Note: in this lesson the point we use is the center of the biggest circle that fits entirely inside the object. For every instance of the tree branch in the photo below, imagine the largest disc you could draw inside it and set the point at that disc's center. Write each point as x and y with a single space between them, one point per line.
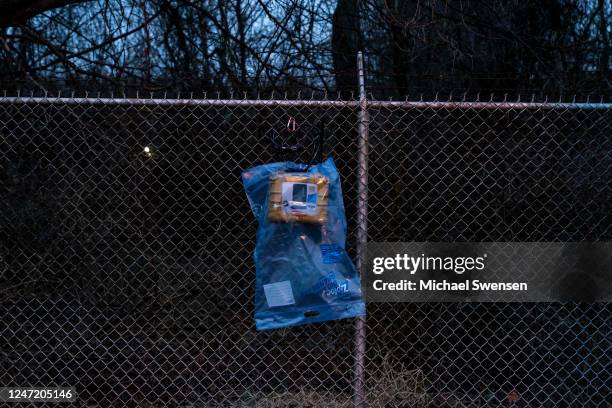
16 12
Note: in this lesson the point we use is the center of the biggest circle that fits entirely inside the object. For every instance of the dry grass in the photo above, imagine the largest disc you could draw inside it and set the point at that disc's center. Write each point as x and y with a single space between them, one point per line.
390 384
387 385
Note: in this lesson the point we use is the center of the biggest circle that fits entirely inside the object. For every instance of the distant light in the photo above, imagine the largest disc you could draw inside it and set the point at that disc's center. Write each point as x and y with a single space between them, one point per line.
150 152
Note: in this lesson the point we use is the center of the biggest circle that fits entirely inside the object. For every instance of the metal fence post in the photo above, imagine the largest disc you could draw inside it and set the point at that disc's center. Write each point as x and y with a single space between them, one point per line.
362 234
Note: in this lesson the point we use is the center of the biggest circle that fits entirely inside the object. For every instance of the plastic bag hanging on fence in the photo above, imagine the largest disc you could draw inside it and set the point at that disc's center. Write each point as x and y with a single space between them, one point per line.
303 273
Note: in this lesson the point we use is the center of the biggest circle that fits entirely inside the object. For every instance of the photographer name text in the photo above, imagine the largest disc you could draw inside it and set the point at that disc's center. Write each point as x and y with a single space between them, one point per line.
444 285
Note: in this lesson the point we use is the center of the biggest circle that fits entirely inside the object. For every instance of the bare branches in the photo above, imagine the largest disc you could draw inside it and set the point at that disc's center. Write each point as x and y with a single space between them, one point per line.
61 55
255 45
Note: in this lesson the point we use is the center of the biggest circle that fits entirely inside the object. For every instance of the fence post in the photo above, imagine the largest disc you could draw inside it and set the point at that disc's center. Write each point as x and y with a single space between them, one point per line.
362 234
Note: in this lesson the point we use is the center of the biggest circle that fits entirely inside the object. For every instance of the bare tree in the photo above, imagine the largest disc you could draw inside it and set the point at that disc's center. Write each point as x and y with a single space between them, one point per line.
346 41
555 46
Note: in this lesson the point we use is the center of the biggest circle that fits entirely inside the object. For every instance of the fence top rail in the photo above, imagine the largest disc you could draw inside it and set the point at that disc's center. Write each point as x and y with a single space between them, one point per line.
306 102
490 105
176 102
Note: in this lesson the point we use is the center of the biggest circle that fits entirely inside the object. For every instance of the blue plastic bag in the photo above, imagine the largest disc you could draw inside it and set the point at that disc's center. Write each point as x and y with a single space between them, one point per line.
303 273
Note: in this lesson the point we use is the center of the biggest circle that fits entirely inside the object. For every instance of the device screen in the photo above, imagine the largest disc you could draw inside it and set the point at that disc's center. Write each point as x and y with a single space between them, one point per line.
299 192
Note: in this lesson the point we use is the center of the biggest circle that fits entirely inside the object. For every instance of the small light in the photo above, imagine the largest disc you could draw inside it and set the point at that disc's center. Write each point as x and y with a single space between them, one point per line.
150 152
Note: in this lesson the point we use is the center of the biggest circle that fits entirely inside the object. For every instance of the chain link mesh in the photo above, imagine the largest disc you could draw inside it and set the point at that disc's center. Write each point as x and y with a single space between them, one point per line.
127 272
480 173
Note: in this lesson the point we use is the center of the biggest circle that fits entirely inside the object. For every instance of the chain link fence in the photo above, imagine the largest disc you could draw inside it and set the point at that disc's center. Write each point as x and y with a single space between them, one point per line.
482 172
127 272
